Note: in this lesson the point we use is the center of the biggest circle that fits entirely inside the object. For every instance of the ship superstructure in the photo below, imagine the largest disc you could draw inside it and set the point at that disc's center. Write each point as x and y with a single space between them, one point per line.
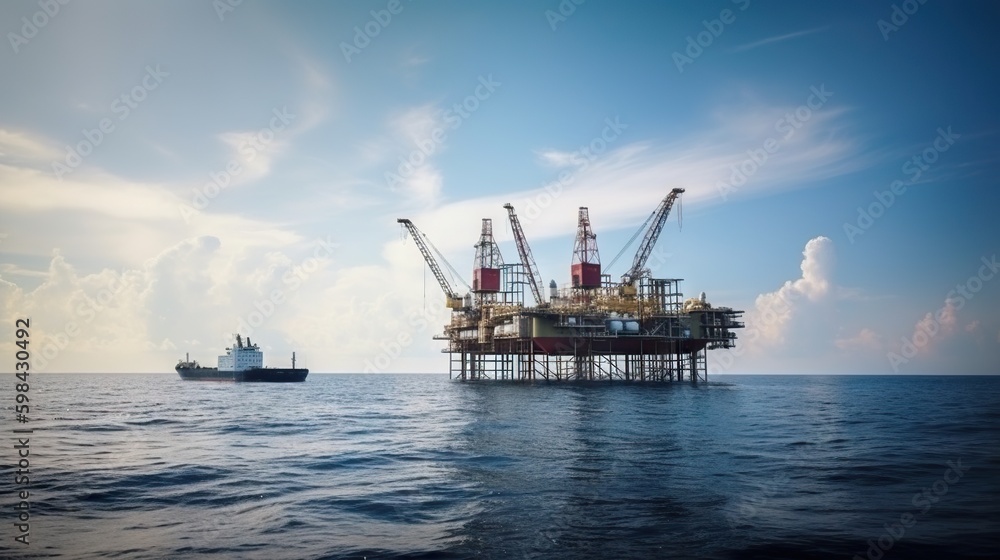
241 362
241 357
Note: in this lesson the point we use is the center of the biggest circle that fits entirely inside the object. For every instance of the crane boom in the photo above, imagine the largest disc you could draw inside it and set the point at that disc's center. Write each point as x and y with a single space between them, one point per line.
454 300
649 240
534 278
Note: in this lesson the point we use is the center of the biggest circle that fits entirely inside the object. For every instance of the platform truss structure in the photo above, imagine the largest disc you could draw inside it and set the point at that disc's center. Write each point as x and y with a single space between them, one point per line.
588 335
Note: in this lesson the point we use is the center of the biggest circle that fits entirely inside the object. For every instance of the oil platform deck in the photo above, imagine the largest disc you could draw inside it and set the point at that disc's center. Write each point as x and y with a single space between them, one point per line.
637 329
649 338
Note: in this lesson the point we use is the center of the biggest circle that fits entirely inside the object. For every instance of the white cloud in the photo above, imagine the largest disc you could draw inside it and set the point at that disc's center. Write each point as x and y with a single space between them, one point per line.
773 311
415 136
778 38
193 294
255 156
416 124
940 340
934 327
21 147
412 59
258 148
800 326
28 190
425 182
865 339
338 317
87 317
106 218
622 185
555 158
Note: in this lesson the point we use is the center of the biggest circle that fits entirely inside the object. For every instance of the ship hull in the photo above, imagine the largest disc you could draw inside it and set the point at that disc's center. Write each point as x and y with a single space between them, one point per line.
254 375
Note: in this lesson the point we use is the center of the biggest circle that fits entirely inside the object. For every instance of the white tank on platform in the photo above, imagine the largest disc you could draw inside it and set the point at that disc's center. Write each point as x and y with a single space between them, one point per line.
632 326
615 326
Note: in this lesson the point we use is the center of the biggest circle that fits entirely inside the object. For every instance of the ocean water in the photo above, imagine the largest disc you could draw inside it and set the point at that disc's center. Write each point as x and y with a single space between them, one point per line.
417 466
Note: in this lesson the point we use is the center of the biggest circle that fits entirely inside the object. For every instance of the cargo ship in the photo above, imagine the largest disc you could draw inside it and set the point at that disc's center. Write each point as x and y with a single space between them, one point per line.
243 363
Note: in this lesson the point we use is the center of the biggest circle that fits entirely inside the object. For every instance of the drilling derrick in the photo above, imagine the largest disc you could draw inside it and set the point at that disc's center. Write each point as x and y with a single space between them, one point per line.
586 268
527 260
486 268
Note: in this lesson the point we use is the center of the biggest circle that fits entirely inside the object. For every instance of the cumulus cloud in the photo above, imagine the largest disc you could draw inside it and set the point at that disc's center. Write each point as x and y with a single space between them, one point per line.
773 311
80 316
194 294
800 326
942 339
123 320
932 328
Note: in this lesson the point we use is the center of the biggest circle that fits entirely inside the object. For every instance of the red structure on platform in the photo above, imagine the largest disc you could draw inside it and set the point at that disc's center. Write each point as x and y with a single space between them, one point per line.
586 268
486 268
486 280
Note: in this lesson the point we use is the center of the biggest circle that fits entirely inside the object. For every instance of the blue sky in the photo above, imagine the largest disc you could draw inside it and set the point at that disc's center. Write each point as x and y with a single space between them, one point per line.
250 163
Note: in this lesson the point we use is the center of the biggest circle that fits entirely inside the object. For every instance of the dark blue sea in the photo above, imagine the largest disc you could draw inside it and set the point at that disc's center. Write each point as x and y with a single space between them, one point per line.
417 466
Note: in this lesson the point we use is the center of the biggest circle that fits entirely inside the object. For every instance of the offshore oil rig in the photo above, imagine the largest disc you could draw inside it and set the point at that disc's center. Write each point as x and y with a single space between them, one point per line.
637 329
